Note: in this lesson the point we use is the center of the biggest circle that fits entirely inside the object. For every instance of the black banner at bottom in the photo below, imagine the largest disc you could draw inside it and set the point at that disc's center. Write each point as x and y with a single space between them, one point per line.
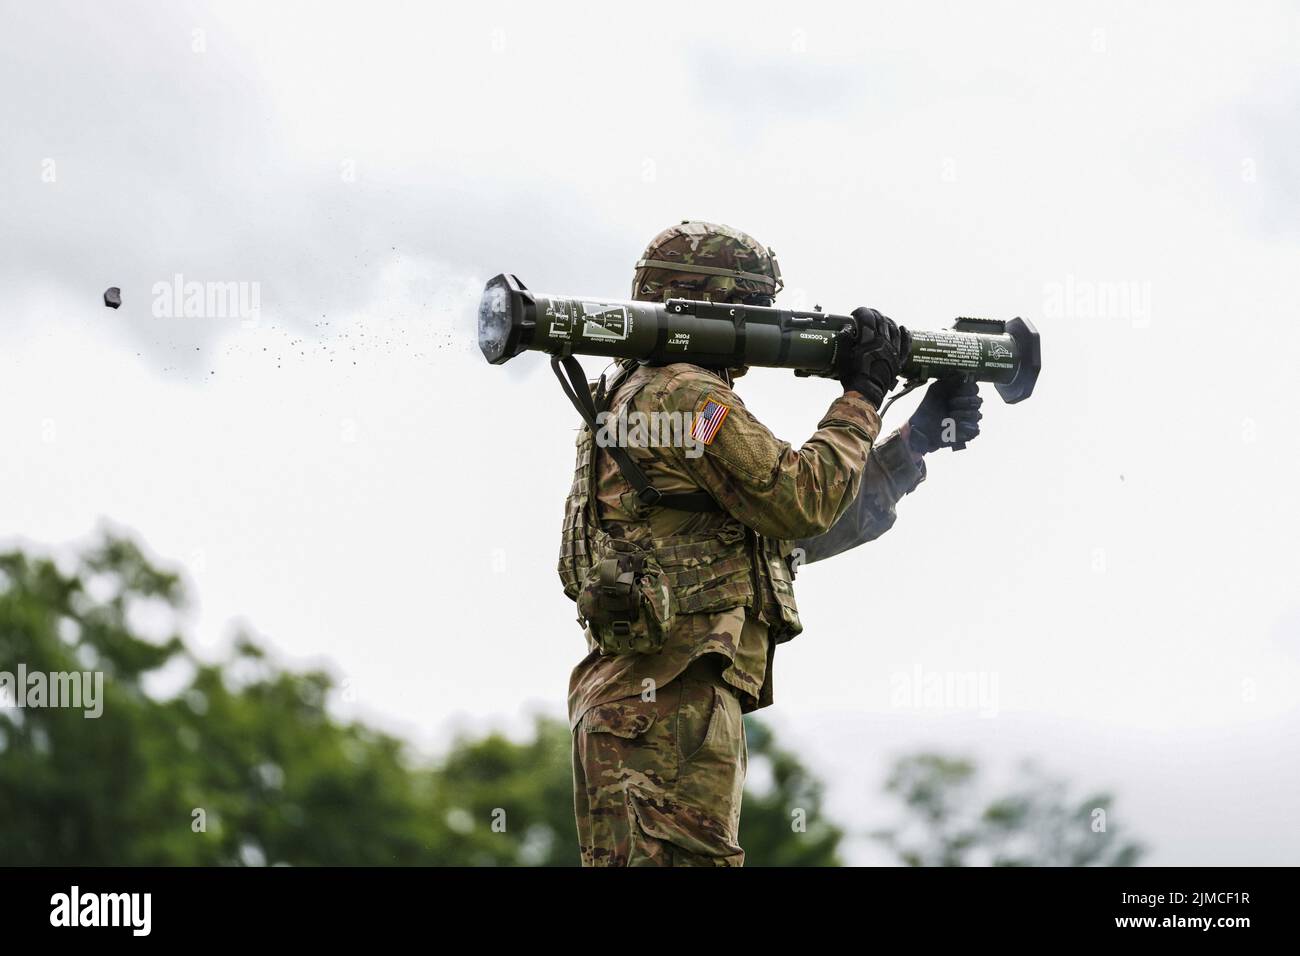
1168 905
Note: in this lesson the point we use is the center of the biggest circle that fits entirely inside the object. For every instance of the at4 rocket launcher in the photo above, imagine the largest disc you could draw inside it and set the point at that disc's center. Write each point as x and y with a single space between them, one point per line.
513 319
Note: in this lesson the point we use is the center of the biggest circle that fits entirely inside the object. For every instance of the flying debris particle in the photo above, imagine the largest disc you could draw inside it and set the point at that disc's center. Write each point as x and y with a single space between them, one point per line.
113 297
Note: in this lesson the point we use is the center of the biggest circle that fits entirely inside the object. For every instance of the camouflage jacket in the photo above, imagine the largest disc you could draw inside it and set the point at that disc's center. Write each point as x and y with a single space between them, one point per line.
780 505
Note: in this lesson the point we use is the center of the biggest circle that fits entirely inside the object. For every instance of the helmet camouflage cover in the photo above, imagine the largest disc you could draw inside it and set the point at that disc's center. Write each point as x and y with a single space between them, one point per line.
705 260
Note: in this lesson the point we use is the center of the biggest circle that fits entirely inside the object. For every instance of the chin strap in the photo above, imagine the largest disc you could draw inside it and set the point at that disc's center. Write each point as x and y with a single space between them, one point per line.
574 383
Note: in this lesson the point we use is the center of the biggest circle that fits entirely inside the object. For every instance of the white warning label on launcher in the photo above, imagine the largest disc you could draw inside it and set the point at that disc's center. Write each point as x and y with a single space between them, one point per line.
607 322
561 319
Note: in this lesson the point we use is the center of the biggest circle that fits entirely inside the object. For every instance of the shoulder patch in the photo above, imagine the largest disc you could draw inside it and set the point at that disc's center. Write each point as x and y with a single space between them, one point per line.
708 420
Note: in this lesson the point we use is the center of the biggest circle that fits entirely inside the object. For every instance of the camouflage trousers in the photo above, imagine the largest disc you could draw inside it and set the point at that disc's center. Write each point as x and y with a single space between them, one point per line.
659 782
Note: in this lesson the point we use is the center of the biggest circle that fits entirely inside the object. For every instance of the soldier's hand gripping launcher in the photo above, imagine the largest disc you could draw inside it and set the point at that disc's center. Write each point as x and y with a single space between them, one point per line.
512 319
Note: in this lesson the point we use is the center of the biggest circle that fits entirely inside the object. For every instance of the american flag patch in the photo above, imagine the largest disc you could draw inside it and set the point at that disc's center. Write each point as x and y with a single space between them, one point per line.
708 420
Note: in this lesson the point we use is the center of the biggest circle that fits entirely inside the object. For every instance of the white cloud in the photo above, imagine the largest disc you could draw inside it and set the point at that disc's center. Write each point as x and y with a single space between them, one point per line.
398 517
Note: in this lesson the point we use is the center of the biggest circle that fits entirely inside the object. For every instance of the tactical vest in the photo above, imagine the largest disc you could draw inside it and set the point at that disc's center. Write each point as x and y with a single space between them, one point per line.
726 567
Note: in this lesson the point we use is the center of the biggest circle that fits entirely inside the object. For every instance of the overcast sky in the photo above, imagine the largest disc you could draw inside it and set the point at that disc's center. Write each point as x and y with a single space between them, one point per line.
342 472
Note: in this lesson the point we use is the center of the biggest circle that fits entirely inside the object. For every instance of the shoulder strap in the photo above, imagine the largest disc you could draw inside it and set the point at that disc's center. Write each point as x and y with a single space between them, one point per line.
574 382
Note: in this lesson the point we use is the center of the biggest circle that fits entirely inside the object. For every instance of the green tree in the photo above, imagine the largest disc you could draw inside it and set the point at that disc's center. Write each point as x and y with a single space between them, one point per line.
244 764
507 803
784 824
1038 823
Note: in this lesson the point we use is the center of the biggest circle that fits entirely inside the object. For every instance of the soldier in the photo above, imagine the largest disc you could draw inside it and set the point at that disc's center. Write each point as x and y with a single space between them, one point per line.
686 590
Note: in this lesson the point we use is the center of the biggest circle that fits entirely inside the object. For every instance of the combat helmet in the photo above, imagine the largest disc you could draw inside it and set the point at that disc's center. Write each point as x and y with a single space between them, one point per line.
708 261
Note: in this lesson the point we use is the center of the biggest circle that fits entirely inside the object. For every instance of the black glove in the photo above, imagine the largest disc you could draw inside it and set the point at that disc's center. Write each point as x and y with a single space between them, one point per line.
870 364
951 411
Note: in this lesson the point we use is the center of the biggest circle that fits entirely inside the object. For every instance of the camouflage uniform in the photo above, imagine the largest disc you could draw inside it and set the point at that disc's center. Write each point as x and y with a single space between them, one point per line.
659 752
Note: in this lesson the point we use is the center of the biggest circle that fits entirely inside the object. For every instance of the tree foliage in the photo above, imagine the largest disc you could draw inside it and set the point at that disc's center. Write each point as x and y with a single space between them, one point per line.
784 824
244 764
1038 823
